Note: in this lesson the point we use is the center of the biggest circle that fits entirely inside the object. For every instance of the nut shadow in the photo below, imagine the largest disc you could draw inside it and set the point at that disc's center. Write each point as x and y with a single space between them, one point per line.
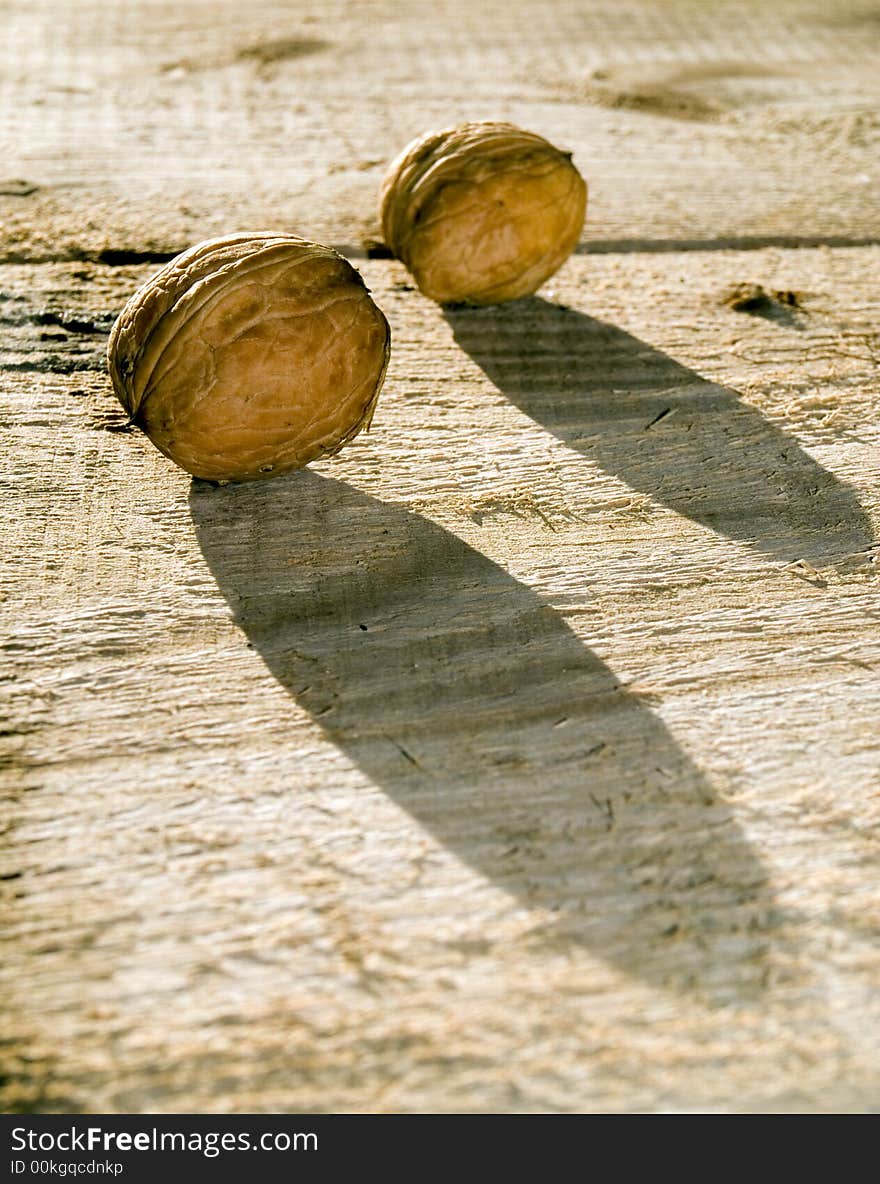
691 444
473 705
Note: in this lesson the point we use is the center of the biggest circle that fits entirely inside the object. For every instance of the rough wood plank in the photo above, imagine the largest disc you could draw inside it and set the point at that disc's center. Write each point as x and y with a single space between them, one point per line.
523 757
146 126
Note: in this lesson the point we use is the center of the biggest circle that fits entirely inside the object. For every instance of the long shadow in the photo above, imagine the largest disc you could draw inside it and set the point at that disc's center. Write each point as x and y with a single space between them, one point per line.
663 429
473 705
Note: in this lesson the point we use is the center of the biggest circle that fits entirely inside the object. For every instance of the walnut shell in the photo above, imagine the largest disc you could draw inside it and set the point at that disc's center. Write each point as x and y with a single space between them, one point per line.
483 212
250 355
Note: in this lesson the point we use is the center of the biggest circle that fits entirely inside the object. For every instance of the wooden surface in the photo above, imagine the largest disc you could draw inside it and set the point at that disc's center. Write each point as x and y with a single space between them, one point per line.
524 756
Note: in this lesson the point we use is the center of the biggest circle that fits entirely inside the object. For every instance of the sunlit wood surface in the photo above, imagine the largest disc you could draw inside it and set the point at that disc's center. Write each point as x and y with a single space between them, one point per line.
523 757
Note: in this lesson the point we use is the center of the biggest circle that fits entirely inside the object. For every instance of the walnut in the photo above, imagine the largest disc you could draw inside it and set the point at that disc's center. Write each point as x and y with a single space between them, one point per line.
483 212
250 355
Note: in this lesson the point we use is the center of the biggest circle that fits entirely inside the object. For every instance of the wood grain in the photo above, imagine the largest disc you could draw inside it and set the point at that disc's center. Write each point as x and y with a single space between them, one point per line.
147 126
522 757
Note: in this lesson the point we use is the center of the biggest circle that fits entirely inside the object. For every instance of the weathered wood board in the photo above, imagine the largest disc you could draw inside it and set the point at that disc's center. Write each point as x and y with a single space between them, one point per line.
524 756
148 125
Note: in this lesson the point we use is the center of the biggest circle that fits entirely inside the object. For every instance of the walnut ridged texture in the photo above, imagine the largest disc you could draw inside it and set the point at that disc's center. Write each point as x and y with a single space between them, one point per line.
250 355
483 212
